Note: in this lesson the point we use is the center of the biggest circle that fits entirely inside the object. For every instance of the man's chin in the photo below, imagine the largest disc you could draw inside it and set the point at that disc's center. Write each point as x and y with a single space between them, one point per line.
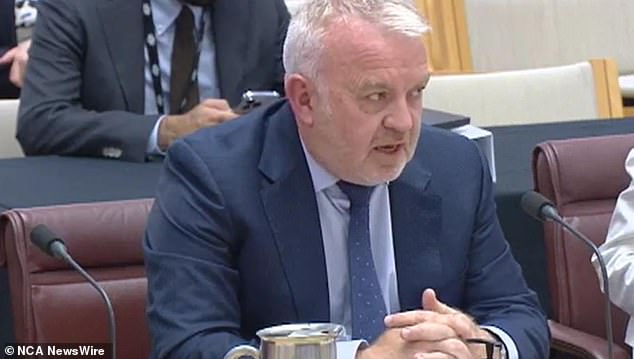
394 175
382 175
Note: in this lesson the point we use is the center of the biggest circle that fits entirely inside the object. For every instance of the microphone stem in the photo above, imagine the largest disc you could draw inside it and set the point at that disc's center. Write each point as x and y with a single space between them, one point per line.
113 339
606 286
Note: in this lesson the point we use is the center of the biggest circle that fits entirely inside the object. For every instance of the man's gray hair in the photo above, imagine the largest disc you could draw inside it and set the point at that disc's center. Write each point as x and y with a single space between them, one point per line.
304 40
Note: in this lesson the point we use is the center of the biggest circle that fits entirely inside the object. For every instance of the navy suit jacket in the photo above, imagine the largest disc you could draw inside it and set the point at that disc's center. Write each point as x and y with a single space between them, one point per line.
233 243
84 92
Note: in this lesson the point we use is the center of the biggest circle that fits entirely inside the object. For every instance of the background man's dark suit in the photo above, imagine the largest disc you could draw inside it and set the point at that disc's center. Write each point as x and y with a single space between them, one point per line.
7 42
233 243
84 90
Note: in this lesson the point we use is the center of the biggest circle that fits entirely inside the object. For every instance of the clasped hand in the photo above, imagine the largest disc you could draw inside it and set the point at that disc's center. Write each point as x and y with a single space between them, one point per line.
436 331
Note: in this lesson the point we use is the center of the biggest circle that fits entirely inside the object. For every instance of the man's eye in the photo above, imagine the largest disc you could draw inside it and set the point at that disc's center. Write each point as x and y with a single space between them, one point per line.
418 91
377 96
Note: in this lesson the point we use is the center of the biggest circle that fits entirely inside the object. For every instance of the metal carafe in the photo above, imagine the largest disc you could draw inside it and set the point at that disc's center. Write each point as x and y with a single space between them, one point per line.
293 341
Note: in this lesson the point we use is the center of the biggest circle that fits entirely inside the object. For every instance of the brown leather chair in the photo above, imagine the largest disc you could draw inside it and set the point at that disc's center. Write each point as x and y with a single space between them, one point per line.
51 303
583 177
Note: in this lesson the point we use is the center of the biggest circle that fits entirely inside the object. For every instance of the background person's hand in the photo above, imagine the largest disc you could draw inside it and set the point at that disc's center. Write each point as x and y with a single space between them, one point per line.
18 58
436 317
209 112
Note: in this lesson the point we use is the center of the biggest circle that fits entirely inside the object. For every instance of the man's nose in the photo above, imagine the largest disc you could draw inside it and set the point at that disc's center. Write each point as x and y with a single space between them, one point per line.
400 118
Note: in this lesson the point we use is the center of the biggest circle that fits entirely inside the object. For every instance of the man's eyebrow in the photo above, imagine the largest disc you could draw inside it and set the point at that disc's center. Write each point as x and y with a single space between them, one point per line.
371 84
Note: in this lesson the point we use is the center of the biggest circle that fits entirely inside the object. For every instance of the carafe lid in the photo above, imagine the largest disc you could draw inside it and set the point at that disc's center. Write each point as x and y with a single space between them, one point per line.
302 333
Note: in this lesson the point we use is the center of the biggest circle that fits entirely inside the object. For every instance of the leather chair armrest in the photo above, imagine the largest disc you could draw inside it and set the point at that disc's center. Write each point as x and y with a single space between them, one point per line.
581 344
3 254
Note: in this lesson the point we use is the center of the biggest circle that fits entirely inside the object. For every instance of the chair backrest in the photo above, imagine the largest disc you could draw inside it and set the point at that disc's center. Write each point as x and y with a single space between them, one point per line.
498 35
583 177
586 90
51 303
9 146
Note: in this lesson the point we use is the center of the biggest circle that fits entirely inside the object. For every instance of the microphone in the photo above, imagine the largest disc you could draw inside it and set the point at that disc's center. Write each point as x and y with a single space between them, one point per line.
541 208
54 246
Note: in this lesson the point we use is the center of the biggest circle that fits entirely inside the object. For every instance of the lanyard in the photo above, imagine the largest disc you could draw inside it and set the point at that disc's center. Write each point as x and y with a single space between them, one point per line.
155 69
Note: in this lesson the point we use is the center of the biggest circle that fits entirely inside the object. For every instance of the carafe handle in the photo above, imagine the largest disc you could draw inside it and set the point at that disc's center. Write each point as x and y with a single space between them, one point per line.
242 350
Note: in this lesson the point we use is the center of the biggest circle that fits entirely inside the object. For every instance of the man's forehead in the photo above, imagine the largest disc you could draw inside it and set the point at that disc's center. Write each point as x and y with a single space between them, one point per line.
375 55
352 38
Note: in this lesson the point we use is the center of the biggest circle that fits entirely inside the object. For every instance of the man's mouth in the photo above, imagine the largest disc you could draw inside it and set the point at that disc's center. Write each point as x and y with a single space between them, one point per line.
389 148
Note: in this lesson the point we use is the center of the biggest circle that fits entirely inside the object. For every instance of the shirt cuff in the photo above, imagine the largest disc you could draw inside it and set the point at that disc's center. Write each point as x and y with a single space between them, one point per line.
348 349
509 344
152 144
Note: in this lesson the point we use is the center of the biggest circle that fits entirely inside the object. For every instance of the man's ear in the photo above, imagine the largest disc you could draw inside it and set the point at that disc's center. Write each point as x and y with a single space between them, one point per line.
300 93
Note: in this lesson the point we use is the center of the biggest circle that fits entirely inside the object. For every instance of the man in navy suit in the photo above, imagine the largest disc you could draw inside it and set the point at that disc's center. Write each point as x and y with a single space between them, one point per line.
101 73
336 205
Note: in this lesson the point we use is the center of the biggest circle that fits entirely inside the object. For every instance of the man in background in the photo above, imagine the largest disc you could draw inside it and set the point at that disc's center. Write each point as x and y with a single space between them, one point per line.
125 78
337 206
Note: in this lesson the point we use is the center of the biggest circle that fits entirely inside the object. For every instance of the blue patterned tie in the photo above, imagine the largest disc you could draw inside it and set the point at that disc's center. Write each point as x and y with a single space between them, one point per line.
368 307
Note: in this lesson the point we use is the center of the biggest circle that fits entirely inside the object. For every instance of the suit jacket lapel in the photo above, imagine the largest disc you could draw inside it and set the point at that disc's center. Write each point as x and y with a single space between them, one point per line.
231 31
122 26
416 228
289 201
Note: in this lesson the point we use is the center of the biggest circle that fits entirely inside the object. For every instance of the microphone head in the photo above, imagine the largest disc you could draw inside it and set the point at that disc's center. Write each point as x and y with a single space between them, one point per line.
43 238
534 203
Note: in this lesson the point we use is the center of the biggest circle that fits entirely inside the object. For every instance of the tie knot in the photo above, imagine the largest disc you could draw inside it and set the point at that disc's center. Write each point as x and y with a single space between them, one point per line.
185 17
357 194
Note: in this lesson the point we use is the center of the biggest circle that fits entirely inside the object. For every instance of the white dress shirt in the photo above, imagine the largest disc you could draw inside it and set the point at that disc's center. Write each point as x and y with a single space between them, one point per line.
164 14
618 252
333 207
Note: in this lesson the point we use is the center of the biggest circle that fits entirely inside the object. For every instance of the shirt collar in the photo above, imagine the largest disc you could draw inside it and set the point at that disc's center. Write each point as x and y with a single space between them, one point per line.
165 12
322 179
